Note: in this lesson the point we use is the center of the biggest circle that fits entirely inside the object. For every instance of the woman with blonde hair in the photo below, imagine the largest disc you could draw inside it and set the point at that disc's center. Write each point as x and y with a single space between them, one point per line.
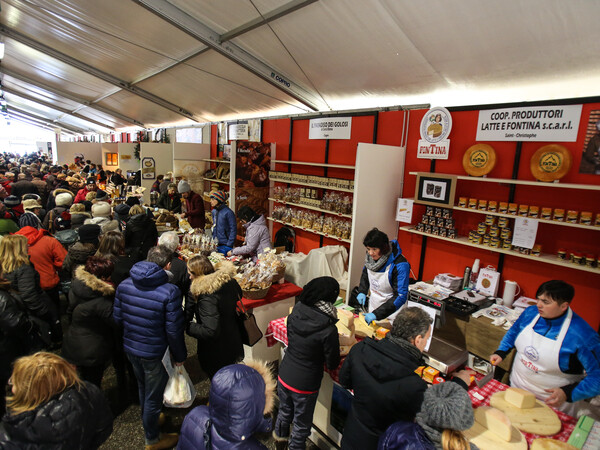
212 300
23 278
51 408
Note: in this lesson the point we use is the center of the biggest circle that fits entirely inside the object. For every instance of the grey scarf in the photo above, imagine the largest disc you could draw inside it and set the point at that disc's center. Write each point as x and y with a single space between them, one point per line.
326 308
373 265
406 346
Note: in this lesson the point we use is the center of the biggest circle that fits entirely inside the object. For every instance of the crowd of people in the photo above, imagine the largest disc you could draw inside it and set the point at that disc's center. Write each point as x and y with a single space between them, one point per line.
94 283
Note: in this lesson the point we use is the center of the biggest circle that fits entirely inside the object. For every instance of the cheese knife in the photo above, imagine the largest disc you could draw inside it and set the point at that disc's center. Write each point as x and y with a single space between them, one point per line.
485 380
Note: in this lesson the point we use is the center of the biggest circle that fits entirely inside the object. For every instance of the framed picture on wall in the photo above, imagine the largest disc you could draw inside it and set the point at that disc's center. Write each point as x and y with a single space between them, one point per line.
112 159
436 190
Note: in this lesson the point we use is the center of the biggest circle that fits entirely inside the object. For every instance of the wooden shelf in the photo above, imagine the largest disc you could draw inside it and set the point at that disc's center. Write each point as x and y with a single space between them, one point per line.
312 185
586 187
544 258
337 166
212 180
513 216
217 160
309 230
314 208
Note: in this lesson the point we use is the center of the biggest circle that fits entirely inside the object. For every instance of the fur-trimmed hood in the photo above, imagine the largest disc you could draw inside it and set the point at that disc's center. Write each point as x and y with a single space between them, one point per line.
207 284
270 385
93 282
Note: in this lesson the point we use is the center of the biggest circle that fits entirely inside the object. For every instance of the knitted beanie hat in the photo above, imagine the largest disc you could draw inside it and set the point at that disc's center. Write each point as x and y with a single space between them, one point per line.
90 180
220 196
183 186
322 288
89 233
12 201
446 405
64 199
101 209
101 195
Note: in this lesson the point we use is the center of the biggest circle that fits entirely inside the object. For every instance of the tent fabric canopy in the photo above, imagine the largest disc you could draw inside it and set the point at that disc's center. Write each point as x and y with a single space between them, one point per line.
103 66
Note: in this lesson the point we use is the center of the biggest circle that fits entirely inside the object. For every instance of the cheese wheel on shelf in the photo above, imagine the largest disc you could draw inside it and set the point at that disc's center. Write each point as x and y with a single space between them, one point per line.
494 420
520 398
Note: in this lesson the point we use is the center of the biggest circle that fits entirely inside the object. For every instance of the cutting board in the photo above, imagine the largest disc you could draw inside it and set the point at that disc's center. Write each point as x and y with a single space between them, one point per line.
537 420
550 444
487 440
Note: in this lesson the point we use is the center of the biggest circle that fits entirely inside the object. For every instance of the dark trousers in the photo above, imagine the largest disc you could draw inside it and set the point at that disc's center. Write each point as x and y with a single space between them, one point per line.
297 410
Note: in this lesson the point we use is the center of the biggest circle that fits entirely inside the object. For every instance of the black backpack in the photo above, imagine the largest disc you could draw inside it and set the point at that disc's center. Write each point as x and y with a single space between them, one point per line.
285 237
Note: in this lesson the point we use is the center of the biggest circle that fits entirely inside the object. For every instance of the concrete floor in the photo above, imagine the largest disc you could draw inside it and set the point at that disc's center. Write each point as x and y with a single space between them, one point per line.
127 428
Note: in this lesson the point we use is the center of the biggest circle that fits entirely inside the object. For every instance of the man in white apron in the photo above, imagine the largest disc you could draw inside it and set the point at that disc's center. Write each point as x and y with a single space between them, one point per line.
386 275
558 353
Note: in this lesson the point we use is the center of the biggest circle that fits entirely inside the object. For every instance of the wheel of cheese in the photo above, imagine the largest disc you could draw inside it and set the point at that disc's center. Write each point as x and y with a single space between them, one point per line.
550 444
551 162
479 160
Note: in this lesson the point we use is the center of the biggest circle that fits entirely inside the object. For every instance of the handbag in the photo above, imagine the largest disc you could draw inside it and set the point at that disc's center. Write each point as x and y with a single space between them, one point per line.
249 330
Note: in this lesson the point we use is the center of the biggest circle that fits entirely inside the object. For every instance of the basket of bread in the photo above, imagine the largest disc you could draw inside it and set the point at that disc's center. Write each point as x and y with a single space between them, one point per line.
254 281
269 260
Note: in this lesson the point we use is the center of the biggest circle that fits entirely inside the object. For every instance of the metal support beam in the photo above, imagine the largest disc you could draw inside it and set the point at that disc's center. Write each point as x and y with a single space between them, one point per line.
37 123
47 120
277 13
57 108
43 48
48 88
212 39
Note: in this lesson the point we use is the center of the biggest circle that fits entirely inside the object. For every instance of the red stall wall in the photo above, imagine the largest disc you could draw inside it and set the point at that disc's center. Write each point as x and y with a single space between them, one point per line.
442 256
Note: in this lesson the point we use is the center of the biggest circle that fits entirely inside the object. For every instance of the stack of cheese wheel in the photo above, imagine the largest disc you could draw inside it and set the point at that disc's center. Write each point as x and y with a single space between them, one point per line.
346 330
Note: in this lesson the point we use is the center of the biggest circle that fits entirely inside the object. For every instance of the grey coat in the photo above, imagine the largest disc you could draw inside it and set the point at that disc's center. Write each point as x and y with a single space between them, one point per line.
257 238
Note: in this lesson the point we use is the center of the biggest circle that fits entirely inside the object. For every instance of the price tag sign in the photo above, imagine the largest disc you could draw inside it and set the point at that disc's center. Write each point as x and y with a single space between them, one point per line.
525 232
404 210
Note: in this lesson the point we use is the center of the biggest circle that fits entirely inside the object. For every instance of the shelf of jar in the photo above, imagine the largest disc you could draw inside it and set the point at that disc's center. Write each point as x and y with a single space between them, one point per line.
279 180
586 187
544 258
309 230
337 166
216 160
213 180
512 216
314 208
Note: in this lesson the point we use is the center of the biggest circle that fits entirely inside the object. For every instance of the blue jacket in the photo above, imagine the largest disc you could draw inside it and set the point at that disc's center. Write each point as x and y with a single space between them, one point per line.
405 436
399 276
150 310
225 227
238 399
580 350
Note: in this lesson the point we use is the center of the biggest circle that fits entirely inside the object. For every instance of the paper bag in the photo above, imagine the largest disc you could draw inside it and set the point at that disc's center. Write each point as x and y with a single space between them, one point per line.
488 281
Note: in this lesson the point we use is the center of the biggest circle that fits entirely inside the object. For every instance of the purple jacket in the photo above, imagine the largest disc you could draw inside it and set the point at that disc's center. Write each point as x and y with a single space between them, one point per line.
257 238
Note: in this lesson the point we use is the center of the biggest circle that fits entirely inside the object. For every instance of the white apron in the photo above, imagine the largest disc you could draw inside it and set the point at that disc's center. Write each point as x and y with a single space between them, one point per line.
536 365
381 290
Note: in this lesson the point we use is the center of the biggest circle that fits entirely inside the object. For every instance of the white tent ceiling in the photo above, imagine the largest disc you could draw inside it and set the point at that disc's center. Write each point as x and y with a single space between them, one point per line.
95 66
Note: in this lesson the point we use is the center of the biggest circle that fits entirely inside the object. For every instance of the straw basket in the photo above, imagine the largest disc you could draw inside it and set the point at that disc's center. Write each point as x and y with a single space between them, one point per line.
256 294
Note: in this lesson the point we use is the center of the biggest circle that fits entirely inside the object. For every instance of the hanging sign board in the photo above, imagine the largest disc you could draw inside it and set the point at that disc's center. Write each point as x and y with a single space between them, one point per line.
148 169
404 210
525 232
533 123
238 131
435 128
330 128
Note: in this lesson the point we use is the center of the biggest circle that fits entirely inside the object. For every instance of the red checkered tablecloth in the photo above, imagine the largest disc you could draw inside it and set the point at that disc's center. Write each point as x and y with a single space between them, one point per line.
568 422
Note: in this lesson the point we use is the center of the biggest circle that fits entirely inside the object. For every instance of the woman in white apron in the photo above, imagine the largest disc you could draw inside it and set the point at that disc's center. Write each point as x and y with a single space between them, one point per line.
386 275
539 336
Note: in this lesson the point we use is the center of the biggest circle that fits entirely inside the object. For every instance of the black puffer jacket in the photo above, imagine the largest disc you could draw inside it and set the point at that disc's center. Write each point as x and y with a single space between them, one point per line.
212 301
89 340
26 281
15 327
74 419
386 390
312 342
140 236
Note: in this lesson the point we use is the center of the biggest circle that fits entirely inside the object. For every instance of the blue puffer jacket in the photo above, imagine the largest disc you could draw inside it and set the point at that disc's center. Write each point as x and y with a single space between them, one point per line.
240 395
149 307
225 228
404 436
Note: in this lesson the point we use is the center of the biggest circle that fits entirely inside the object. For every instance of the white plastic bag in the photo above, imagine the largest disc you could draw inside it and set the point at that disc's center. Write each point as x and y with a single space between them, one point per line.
180 392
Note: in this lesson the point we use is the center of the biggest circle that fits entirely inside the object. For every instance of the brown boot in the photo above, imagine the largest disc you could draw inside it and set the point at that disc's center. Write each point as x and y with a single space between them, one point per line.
166 441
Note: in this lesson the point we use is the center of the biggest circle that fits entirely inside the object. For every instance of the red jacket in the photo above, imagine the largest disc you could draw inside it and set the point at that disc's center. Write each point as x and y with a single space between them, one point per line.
46 254
80 197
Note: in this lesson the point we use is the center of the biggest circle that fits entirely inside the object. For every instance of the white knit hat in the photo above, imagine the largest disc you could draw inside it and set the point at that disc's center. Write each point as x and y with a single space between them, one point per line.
64 199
